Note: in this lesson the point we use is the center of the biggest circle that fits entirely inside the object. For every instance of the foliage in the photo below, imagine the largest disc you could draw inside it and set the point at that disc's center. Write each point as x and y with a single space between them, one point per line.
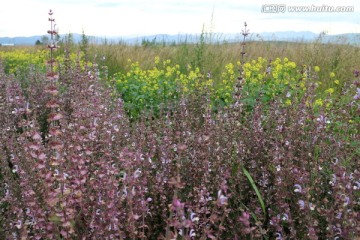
168 152
87 172
149 89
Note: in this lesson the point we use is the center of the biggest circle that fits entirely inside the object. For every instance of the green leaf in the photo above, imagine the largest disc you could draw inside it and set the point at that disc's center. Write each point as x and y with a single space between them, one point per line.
251 180
55 219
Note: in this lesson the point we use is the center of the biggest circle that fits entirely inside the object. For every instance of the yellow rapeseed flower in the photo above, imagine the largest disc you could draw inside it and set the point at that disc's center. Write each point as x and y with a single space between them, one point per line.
157 60
317 68
318 102
336 82
329 90
292 64
277 61
332 74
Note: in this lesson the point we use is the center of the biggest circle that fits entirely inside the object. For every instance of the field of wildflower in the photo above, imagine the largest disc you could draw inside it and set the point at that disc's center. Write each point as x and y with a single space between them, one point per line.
253 140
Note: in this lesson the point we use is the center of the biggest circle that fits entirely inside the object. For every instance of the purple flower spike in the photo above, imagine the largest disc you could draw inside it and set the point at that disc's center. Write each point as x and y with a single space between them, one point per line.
301 204
357 96
356 73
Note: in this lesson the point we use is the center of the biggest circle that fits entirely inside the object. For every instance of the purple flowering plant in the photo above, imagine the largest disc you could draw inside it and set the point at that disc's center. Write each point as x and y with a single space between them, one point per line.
73 165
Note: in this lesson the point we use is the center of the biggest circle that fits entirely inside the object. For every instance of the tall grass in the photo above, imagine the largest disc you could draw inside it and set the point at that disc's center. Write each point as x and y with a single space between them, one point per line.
342 58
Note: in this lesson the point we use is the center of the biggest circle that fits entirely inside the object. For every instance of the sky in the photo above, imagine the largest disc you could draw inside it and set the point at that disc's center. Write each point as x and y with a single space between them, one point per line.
108 18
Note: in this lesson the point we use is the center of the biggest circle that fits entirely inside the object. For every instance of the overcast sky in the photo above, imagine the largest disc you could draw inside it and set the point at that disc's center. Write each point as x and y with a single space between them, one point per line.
144 17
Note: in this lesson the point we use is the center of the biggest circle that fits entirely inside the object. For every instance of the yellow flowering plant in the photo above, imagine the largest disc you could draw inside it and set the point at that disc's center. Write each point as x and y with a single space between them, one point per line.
265 80
149 89
19 60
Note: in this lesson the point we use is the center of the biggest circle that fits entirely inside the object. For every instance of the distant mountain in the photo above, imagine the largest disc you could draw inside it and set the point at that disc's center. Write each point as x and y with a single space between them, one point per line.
291 36
352 38
20 40
287 36
32 40
304 36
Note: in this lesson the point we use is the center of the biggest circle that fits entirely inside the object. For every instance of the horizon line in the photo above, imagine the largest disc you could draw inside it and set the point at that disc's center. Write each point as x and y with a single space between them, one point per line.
173 34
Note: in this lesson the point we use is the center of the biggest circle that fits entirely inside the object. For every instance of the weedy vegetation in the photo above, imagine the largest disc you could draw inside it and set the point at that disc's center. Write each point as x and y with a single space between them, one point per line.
253 140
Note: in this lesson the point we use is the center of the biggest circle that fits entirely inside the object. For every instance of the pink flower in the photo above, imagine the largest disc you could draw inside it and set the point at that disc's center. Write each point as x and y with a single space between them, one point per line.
36 136
176 204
